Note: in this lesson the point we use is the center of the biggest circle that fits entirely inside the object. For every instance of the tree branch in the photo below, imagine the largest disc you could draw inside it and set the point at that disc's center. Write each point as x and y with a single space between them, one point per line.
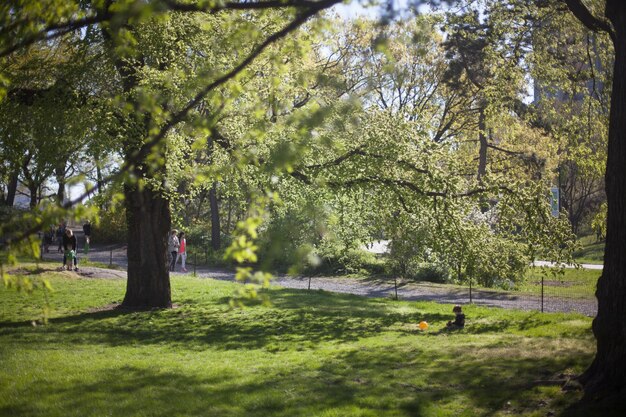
593 23
145 150
56 29
181 115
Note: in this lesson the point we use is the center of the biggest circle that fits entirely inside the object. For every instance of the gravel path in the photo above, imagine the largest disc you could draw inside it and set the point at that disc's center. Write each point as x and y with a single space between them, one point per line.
116 255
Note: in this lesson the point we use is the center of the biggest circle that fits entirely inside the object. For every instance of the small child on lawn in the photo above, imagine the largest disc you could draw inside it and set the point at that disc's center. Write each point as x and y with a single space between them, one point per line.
459 320
69 245
68 259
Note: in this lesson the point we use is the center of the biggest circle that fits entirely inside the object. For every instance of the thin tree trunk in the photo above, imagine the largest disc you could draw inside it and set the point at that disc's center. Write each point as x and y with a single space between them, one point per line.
482 140
99 179
61 189
230 214
607 374
32 189
59 173
12 187
215 218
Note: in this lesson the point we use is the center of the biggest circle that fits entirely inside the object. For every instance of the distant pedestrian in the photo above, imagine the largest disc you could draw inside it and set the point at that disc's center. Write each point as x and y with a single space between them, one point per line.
87 232
172 246
69 247
182 250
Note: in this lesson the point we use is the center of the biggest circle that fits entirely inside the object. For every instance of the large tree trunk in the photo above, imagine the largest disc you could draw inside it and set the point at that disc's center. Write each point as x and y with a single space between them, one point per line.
148 213
149 220
215 218
607 374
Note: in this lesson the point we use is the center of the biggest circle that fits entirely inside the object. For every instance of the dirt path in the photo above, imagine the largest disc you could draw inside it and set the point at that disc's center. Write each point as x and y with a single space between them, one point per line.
359 286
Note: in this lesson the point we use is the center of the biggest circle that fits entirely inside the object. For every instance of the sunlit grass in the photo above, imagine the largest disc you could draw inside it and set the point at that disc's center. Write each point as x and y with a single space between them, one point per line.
570 282
592 251
310 354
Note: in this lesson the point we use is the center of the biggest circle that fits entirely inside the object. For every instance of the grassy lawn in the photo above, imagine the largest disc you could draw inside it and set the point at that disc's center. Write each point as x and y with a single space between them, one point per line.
570 283
309 354
592 252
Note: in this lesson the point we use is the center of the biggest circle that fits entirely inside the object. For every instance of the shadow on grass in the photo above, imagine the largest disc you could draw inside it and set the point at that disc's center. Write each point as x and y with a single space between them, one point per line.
612 406
367 381
35 270
298 320
506 383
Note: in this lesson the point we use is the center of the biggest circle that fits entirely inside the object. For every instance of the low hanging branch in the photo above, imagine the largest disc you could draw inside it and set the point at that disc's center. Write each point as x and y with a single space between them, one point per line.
593 23
415 188
53 30
360 152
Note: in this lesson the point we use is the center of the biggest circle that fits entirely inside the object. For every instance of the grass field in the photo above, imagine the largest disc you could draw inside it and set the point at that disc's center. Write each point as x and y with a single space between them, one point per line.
570 283
592 251
309 354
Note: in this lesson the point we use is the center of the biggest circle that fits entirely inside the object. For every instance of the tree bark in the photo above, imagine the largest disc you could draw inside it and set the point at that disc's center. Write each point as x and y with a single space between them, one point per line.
149 220
148 214
99 179
606 377
32 189
60 174
12 187
215 218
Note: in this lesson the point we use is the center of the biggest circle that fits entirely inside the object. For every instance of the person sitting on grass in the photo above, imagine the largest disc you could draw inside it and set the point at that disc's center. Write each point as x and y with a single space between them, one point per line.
459 320
69 246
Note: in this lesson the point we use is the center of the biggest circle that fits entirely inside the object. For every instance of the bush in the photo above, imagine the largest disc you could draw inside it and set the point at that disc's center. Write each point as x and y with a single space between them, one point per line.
348 261
431 273
111 227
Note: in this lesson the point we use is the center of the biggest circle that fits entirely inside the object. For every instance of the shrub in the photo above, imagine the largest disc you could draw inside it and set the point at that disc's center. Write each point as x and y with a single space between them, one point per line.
431 272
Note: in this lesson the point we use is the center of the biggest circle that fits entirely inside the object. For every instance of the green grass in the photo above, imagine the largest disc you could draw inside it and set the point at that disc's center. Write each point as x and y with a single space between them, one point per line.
592 252
309 354
570 282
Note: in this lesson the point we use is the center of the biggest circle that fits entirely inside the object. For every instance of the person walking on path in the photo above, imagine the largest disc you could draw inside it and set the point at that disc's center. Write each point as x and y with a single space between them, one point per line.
172 247
69 246
87 231
182 250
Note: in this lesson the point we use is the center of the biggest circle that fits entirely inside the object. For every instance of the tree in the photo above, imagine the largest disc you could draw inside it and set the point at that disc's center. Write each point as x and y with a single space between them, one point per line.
147 118
606 377
572 68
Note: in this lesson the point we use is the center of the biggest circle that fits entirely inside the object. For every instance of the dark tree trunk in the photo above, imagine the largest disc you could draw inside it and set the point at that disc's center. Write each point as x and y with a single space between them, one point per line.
33 189
59 173
99 179
148 213
12 188
215 218
149 220
606 377
61 190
